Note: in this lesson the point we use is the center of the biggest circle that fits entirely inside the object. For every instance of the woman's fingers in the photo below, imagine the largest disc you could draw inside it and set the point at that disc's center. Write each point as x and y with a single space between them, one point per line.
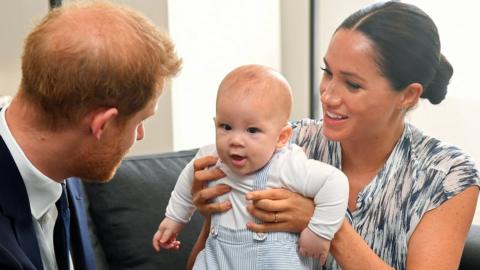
293 211
202 174
272 205
262 215
202 196
204 162
273 194
269 227
202 200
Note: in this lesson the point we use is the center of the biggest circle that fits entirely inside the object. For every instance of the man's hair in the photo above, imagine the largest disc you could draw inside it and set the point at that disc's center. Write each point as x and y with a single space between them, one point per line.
92 55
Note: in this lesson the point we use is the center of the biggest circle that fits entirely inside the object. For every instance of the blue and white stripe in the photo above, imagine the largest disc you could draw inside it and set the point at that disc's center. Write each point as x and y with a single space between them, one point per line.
242 249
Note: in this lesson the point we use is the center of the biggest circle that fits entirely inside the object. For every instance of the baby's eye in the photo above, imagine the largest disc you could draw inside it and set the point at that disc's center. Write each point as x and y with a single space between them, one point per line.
253 130
225 126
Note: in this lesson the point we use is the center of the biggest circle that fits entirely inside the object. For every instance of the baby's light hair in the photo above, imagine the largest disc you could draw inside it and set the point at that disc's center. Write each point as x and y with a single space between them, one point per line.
263 82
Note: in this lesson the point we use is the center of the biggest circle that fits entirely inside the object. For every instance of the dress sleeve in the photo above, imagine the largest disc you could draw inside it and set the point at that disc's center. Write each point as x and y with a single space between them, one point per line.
462 174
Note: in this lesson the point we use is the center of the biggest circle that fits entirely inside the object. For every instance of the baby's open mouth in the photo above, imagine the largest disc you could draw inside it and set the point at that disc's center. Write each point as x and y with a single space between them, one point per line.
238 160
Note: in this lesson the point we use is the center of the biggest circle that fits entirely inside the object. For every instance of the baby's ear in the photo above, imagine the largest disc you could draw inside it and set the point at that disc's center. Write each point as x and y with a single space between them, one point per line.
284 136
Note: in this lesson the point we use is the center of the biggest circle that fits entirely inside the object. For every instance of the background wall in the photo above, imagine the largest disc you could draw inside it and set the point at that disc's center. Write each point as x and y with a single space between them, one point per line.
16 20
213 37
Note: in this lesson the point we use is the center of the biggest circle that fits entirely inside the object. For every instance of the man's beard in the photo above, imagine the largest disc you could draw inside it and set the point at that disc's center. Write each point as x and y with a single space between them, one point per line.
100 165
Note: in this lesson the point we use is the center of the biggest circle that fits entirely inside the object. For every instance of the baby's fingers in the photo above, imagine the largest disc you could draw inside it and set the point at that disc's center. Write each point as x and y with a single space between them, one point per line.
156 241
175 245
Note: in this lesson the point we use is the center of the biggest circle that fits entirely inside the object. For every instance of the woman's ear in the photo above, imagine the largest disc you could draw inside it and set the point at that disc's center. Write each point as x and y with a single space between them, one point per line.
100 119
284 136
410 96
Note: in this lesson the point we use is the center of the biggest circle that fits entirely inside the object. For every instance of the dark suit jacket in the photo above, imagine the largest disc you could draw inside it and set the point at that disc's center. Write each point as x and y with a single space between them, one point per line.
18 243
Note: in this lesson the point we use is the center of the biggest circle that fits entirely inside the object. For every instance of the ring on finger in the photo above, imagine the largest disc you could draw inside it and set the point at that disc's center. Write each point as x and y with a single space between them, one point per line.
275 217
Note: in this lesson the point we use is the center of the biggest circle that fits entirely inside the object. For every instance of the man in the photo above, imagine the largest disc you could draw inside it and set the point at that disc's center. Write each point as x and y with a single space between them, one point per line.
91 74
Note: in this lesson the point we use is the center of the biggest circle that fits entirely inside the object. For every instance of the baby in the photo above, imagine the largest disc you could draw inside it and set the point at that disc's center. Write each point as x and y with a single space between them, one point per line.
252 143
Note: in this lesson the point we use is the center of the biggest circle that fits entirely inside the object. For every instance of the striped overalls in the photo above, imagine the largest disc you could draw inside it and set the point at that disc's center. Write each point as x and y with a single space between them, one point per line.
242 249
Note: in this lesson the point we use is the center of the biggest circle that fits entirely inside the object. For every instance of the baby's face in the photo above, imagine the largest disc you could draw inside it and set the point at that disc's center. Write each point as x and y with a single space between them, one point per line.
247 131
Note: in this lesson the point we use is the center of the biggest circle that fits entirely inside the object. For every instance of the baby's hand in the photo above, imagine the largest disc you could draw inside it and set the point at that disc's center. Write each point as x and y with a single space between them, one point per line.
313 246
166 235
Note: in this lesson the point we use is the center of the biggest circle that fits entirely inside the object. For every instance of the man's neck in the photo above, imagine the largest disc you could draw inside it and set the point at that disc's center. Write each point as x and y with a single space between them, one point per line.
48 151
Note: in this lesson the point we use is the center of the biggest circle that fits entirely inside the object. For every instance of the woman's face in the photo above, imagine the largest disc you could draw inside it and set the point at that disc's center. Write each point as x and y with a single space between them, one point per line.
358 102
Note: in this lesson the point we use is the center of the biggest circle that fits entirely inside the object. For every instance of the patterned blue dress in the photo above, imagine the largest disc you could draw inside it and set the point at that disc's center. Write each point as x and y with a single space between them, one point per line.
420 174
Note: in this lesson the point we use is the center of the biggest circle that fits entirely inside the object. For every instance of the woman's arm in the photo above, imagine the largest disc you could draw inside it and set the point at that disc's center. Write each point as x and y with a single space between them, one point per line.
199 244
202 196
439 238
437 242
352 252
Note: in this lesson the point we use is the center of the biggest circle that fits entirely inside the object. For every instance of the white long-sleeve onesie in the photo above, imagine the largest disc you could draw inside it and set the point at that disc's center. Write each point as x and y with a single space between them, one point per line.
290 169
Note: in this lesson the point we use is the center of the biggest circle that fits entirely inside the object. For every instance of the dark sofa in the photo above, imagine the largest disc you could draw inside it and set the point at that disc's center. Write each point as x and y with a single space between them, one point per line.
126 212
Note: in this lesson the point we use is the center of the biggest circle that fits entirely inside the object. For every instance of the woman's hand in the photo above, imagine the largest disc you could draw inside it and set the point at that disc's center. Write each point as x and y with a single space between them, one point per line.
200 194
280 209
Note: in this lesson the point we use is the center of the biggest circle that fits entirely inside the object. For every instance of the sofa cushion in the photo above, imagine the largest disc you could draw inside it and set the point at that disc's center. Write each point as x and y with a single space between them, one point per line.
471 252
127 211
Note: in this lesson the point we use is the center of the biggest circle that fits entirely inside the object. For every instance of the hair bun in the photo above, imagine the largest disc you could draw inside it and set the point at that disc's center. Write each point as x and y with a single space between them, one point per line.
436 90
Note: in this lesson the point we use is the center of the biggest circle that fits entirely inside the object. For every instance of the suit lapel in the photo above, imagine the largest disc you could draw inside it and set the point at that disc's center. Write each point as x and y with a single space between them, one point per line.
15 204
84 258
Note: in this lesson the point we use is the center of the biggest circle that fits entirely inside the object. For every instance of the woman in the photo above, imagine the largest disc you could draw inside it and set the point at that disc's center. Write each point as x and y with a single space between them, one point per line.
412 197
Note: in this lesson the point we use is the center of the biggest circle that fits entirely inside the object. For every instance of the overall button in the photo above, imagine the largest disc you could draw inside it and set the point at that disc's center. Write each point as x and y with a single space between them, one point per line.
260 236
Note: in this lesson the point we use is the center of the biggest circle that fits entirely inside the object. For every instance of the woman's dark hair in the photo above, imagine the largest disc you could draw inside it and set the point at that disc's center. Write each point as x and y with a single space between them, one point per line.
407 46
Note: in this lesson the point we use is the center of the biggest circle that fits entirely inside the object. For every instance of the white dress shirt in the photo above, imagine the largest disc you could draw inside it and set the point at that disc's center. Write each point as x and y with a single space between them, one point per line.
42 192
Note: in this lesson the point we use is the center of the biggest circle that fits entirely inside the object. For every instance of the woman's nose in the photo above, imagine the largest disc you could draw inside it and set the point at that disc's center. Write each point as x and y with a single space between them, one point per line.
329 94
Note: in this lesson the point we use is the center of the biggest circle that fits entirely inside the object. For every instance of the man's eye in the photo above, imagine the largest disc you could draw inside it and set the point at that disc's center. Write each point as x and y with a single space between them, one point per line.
225 127
253 130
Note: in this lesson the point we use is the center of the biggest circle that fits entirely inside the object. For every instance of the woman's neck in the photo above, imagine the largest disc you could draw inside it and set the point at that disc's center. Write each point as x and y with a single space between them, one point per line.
365 156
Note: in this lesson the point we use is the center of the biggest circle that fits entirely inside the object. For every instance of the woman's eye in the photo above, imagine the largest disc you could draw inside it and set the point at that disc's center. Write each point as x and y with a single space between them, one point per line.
326 71
253 130
353 86
225 127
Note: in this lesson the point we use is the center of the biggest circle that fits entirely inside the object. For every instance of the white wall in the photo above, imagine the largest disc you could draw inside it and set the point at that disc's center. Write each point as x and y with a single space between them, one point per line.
213 37
158 135
16 20
295 53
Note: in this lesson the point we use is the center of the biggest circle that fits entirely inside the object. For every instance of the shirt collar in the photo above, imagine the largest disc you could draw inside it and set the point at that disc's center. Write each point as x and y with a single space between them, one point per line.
42 191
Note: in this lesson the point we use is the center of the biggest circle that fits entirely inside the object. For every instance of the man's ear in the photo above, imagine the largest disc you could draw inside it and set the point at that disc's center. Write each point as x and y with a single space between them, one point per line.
410 96
100 119
284 136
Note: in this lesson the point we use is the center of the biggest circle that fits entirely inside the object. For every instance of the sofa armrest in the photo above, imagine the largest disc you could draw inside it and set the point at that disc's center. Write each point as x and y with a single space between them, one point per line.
471 251
126 212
